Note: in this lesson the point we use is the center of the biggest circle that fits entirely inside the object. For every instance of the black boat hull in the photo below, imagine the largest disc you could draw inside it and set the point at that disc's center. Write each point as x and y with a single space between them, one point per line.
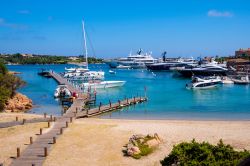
190 73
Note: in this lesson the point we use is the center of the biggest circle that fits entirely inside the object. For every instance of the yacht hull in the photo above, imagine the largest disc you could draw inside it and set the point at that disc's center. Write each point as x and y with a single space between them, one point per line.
104 84
190 73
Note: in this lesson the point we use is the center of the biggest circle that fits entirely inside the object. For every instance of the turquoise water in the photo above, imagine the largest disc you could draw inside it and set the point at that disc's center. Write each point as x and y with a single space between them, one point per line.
168 97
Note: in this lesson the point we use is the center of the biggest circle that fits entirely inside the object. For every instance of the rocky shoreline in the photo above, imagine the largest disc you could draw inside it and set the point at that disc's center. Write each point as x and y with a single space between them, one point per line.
18 103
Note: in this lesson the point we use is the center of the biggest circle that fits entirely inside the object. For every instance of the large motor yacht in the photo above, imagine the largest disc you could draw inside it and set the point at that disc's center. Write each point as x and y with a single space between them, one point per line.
172 64
209 69
139 60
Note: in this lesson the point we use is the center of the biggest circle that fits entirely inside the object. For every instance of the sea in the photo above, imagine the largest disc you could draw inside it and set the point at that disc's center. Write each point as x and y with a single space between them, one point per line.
167 96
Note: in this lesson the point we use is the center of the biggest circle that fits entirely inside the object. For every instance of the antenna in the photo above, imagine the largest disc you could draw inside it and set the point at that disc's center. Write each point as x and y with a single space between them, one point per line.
85 44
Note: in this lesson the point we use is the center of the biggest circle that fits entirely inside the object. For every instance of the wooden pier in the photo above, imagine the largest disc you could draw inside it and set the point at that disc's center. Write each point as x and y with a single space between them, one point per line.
110 107
37 150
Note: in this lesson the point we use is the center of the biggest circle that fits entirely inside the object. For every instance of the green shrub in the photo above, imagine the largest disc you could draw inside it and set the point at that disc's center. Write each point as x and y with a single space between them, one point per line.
9 83
195 153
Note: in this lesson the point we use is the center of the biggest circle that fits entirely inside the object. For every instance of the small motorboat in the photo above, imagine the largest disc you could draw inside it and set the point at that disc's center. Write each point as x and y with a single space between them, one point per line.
203 83
62 91
226 80
112 72
241 80
103 84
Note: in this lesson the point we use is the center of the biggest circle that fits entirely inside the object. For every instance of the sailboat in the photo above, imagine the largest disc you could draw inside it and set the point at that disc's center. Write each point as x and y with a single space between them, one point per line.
84 74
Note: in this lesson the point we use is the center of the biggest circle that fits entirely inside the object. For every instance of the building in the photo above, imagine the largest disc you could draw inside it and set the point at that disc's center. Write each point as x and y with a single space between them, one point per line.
27 55
242 53
241 65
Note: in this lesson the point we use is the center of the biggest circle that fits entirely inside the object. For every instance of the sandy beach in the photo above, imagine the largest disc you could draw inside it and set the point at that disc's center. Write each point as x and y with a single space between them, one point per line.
100 141
17 136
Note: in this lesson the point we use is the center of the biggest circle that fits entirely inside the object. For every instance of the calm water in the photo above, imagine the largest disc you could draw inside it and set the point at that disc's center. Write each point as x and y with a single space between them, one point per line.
168 97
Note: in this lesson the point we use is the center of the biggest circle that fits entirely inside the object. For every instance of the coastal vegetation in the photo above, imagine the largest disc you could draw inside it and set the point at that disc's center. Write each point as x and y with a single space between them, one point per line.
44 59
195 153
9 83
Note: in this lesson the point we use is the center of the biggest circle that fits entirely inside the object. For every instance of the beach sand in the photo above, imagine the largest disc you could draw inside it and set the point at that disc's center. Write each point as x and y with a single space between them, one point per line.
17 136
98 142
9 117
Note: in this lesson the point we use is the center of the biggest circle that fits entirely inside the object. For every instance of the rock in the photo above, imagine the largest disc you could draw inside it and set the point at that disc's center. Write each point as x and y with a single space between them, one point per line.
133 150
152 143
19 103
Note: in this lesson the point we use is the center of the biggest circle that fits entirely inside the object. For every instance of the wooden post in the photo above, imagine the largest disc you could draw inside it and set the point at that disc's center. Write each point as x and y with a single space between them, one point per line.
51 118
31 140
48 124
67 124
41 131
100 106
18 152
45 115
54 119
61 130
110 104
16 118
76 109
71 119
24 120
45 152
54 140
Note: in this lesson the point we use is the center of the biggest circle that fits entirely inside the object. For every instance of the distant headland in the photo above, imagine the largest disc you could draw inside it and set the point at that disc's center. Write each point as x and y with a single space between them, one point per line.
45 59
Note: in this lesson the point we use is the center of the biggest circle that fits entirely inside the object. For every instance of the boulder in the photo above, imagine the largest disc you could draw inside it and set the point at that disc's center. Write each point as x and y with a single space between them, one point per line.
133 151
18 103
153 143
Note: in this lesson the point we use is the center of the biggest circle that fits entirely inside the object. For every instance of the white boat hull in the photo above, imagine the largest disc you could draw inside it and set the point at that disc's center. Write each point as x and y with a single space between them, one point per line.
103 84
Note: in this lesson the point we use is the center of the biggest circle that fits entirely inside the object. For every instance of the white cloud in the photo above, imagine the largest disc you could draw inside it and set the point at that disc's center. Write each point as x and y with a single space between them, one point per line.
24 12
216 13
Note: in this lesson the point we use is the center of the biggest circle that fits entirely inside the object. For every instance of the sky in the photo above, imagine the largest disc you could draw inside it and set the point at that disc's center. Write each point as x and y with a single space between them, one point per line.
116 27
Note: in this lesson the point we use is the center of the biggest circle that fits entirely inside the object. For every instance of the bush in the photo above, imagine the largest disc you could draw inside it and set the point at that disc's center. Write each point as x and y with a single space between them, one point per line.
195 153
9 83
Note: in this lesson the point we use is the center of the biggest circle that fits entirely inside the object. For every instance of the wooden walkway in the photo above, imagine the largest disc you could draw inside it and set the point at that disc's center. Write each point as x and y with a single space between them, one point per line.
36 152
16 123
110 107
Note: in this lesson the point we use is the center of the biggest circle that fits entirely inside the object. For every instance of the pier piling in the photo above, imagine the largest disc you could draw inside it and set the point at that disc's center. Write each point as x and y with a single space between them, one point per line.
45 152
41 131
31 140
18 152
54 140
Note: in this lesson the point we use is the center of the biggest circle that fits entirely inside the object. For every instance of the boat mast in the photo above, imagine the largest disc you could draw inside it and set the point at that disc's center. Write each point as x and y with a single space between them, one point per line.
85 44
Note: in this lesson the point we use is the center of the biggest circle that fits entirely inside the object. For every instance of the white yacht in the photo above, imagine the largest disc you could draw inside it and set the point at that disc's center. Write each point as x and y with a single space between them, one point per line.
102 84
139 60
203 83
90 75
84 73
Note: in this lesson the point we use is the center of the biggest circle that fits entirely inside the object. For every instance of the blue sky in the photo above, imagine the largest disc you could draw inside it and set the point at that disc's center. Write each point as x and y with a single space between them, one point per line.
181 27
